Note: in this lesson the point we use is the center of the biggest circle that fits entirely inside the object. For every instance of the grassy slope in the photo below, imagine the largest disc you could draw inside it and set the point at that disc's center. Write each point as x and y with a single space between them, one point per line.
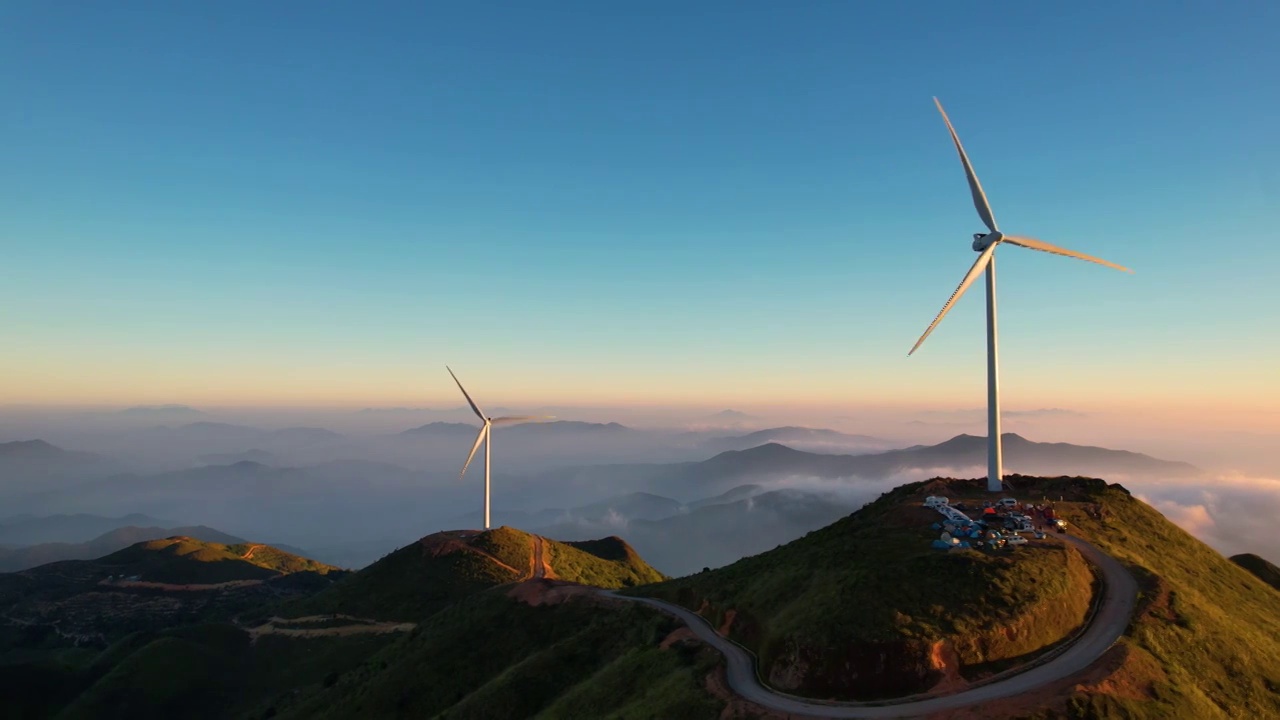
206 671
1211 626
421 579
182 560
608 563
870 580
409 584
493 657
1261 568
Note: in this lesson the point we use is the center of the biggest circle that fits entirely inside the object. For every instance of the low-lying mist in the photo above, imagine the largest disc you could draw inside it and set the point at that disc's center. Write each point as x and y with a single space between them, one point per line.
350 486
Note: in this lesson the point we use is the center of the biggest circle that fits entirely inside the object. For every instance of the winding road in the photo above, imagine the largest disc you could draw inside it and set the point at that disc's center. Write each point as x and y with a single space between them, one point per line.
1108 624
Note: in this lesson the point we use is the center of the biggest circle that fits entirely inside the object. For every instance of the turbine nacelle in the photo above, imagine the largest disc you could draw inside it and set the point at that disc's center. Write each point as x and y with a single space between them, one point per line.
982 241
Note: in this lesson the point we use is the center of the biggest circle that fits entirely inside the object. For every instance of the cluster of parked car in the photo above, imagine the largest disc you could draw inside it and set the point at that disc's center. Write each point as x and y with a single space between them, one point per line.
998 527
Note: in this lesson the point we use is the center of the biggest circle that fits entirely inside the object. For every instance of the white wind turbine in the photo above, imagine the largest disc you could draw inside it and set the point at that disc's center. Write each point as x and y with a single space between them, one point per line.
985 243
484 437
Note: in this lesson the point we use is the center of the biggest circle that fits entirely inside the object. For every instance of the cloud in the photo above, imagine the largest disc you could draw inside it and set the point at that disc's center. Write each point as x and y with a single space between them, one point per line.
857 491
1232 513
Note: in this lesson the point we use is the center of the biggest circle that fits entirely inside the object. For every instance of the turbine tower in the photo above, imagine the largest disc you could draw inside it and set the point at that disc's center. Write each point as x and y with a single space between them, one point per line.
484 437
985 244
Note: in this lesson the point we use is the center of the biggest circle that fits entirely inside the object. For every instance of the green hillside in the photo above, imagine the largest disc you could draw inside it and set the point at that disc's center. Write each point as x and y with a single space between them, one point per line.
476 654
494 657
861 608
608 563
199 671
865 598
84 605
422 578
183 560
1206 643
1263 570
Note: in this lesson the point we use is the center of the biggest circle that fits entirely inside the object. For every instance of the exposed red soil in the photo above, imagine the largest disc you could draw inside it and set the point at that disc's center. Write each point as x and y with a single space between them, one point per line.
1121 672
448 543
679 635
540 567
944 660
545 591
727 625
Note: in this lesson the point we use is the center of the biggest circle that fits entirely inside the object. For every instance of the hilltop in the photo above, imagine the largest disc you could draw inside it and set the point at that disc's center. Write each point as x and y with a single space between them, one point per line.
865 608
422 578
1204 642
184 560
1261 568
23 558
149 586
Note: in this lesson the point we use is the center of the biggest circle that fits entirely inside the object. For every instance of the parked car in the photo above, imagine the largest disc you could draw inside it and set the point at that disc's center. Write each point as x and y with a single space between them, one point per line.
1015 540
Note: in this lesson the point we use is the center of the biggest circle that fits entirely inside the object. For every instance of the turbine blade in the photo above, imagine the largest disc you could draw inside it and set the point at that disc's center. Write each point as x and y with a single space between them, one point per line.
484 432
1034 244
470 402
979 198
974 272
519 418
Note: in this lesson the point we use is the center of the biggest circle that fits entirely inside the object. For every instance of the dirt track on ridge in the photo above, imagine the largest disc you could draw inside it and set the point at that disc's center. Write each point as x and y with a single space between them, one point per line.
539 567
359 626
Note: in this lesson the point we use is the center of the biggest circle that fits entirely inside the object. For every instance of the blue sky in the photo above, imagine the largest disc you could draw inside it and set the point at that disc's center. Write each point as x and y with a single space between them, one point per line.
742 201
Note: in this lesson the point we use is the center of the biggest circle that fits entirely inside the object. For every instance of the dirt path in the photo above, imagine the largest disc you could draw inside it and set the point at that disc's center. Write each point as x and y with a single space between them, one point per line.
191 587
1118 602
249 553
539 567
359 626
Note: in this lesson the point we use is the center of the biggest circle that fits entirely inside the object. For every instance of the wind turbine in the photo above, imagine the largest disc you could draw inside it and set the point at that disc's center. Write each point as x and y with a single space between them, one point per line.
484 437
986 243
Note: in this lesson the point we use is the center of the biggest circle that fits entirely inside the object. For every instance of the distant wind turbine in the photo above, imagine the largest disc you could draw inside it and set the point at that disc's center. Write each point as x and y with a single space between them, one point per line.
484 437
985 243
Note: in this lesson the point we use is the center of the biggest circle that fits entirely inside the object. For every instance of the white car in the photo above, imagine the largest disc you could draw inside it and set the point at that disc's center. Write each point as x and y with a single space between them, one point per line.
1015 540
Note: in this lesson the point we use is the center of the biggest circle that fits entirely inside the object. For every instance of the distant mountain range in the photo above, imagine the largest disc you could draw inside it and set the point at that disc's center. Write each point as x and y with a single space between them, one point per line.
80 528
238 436
799 438
16 559
255 455
351 500
559 427
711 532
963 454
29 463
168 412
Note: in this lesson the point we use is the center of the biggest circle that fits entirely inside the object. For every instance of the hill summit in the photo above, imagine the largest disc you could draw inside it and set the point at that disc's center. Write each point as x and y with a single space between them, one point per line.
867 609
184 560
422 578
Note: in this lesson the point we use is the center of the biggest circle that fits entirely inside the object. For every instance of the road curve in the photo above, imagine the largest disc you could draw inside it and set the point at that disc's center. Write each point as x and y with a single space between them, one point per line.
1108 624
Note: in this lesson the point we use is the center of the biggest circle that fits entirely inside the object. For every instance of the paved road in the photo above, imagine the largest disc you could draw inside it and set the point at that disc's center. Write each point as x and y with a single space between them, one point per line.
1107 626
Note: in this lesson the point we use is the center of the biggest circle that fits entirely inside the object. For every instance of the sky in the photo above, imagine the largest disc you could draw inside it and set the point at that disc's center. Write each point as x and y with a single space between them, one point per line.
721 203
